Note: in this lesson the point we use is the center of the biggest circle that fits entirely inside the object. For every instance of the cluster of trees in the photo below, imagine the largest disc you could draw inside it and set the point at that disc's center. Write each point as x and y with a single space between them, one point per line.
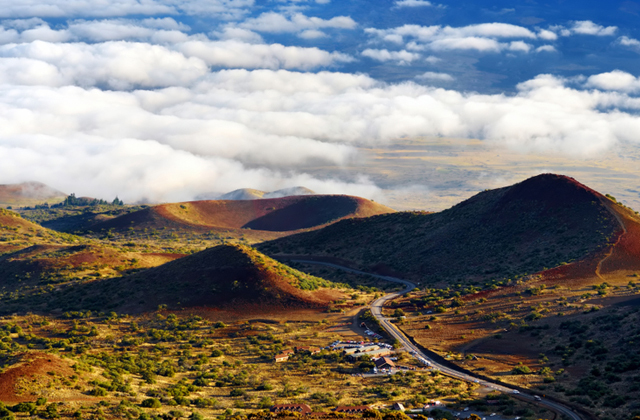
72 200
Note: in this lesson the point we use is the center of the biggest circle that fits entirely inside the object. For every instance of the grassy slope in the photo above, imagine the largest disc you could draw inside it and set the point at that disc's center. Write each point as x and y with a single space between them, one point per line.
229 276
539 223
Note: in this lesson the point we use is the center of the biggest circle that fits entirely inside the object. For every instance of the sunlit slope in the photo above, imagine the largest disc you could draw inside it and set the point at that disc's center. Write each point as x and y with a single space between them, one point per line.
273 215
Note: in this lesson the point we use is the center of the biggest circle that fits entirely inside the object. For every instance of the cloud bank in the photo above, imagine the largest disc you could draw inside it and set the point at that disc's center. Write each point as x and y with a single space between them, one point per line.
124 98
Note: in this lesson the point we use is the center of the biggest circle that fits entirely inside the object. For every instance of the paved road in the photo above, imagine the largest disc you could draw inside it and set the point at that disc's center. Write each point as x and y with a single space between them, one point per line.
376 311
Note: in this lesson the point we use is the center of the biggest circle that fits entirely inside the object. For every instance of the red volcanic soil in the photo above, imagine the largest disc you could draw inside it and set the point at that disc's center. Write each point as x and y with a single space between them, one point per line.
623 255
22 381
275 215
232 277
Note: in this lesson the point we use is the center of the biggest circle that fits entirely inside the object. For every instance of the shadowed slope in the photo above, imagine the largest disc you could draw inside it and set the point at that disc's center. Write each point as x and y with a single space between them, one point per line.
226 276
538 223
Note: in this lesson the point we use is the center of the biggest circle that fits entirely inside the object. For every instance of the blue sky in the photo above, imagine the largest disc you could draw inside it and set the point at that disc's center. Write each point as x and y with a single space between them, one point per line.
166 100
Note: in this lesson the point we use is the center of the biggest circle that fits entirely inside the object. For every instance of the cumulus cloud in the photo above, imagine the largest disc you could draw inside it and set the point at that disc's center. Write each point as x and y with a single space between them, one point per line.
625 41
401 57
615 80
586 27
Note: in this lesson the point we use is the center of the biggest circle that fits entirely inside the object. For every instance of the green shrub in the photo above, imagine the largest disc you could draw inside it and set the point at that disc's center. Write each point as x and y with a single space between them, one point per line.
151 403
521 370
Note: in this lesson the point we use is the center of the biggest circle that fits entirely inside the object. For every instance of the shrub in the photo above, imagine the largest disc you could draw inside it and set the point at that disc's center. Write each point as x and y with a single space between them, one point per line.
151 403
265 402
521 370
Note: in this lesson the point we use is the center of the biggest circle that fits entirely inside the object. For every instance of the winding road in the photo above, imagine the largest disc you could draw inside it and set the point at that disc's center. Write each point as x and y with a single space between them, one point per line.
392 330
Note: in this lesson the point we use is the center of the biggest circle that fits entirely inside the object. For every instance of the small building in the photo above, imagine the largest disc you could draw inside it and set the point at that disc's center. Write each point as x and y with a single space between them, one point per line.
356 409
294 408
397 406
288 351
307 349
384 363
282 357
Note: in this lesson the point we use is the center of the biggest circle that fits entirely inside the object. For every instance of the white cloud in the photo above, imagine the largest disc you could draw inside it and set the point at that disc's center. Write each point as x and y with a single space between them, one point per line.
547 35
125 65
413 3
235 54
402 57
520 46
227 9
629 42
587 27
312 34
615 80
118 65
279 23
546 48
434 76
238 128
482 37
468 43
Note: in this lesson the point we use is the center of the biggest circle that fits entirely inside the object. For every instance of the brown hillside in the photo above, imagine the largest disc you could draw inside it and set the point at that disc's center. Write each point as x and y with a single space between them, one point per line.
273 215
227 276
37 374
526 228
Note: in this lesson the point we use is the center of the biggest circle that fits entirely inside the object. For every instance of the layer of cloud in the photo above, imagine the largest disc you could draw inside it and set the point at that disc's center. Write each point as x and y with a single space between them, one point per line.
228 9
124 65
435 77
238 128
413 3
486 37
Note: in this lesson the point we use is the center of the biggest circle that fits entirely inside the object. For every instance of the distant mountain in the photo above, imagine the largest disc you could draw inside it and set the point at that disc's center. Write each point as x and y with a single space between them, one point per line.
251 194
287 192
540 223
233 277
242 194
29 193
261 219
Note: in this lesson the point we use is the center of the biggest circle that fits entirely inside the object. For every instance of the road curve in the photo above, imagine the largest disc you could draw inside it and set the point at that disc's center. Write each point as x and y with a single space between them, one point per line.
392 330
